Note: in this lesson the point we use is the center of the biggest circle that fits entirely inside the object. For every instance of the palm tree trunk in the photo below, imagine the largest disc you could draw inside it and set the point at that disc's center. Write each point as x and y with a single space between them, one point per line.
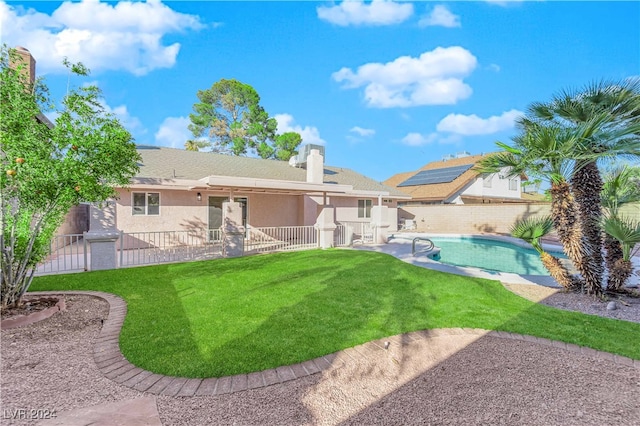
619 275
559 272
613 255
566 222
586 185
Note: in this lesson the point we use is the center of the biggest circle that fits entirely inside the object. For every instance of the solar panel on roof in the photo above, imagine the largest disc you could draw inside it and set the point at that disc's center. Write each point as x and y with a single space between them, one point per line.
428 177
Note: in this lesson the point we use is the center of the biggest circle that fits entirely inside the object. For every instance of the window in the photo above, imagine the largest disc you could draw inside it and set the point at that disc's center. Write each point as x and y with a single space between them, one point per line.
364 208
486 181
513 184
146 203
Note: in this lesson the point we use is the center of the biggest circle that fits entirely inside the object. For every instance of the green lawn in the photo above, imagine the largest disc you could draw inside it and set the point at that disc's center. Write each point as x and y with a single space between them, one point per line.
230 316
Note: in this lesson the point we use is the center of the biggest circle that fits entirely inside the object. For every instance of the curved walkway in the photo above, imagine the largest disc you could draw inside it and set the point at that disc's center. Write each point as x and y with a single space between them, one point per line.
113 365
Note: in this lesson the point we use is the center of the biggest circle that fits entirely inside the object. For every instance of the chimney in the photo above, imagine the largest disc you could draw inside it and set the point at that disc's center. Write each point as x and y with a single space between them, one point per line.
28 61
315 167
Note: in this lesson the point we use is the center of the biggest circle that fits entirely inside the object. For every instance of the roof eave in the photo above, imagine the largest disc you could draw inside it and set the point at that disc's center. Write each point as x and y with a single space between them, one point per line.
273 184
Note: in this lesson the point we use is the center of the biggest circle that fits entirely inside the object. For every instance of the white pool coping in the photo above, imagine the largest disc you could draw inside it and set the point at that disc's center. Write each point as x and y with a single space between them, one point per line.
399 246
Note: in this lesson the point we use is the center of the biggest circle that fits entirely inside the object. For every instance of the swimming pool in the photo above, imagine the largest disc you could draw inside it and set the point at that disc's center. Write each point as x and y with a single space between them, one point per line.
489 254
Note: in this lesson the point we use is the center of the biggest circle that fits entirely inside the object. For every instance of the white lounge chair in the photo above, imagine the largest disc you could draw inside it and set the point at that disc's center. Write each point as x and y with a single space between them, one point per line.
409 225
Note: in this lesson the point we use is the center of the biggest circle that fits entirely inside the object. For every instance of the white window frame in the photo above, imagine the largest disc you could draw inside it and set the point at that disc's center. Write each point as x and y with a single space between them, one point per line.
513 184
365 209
146 204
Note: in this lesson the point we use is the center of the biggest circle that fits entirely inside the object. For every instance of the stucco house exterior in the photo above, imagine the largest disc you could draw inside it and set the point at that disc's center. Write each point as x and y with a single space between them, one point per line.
453 180
185 190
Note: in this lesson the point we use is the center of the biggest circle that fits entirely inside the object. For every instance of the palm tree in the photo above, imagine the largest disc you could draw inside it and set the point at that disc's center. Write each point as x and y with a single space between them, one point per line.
195 145
609 113
620 187
627 233
531 230
544 150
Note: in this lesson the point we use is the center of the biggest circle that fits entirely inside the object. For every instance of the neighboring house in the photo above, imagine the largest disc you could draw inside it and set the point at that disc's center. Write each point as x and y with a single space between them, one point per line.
185 190
453 180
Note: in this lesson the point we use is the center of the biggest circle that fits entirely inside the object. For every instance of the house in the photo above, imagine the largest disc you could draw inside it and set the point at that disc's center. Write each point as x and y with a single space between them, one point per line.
453 180
186 190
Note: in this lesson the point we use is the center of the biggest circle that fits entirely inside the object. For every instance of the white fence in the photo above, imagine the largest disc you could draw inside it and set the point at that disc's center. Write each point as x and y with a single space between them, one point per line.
281 238
71 252
349 233
143 248
67 253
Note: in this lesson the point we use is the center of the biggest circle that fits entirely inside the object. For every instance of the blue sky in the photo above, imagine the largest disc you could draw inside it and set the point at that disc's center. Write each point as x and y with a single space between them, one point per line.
386 86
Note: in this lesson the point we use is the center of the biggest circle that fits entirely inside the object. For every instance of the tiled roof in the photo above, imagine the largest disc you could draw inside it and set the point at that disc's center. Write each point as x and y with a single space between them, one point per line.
437 191
171 163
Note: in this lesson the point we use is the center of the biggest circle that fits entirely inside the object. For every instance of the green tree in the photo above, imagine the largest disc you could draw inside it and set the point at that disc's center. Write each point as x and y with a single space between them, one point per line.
627 232
286 145
229 114
45 170
195 145
612 109
532 230
544 151
601 123
620 187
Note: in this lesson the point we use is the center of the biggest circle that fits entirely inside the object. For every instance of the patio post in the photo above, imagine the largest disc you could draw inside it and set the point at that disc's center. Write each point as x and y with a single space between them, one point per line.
380 223
232 229
102 236
326 226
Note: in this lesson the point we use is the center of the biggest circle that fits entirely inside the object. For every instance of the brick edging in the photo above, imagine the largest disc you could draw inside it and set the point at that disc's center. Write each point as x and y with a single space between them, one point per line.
113 365
21 320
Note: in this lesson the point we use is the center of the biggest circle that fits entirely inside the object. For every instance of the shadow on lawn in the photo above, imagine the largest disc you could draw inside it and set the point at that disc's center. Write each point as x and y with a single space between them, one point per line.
343 299
354 306
324 318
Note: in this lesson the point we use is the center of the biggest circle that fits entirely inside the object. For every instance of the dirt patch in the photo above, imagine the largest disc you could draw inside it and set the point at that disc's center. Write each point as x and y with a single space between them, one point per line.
29 306
32 309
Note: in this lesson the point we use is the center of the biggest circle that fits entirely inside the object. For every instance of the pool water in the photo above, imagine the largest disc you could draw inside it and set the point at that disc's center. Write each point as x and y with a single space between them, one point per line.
490 255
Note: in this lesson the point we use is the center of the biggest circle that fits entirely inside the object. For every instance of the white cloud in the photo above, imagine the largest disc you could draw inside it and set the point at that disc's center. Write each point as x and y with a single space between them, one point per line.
309 134
494 67
453 127
362 132
173 132
417 139
131 123
440 16
433 78
356 12
104 36
469 125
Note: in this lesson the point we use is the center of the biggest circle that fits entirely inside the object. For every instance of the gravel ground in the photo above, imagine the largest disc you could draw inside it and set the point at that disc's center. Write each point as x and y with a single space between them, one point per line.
464 379
626 308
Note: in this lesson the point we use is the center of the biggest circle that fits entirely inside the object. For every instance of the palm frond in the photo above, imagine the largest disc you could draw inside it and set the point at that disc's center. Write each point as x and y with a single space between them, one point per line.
532 229
625 230
620 188
496 162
